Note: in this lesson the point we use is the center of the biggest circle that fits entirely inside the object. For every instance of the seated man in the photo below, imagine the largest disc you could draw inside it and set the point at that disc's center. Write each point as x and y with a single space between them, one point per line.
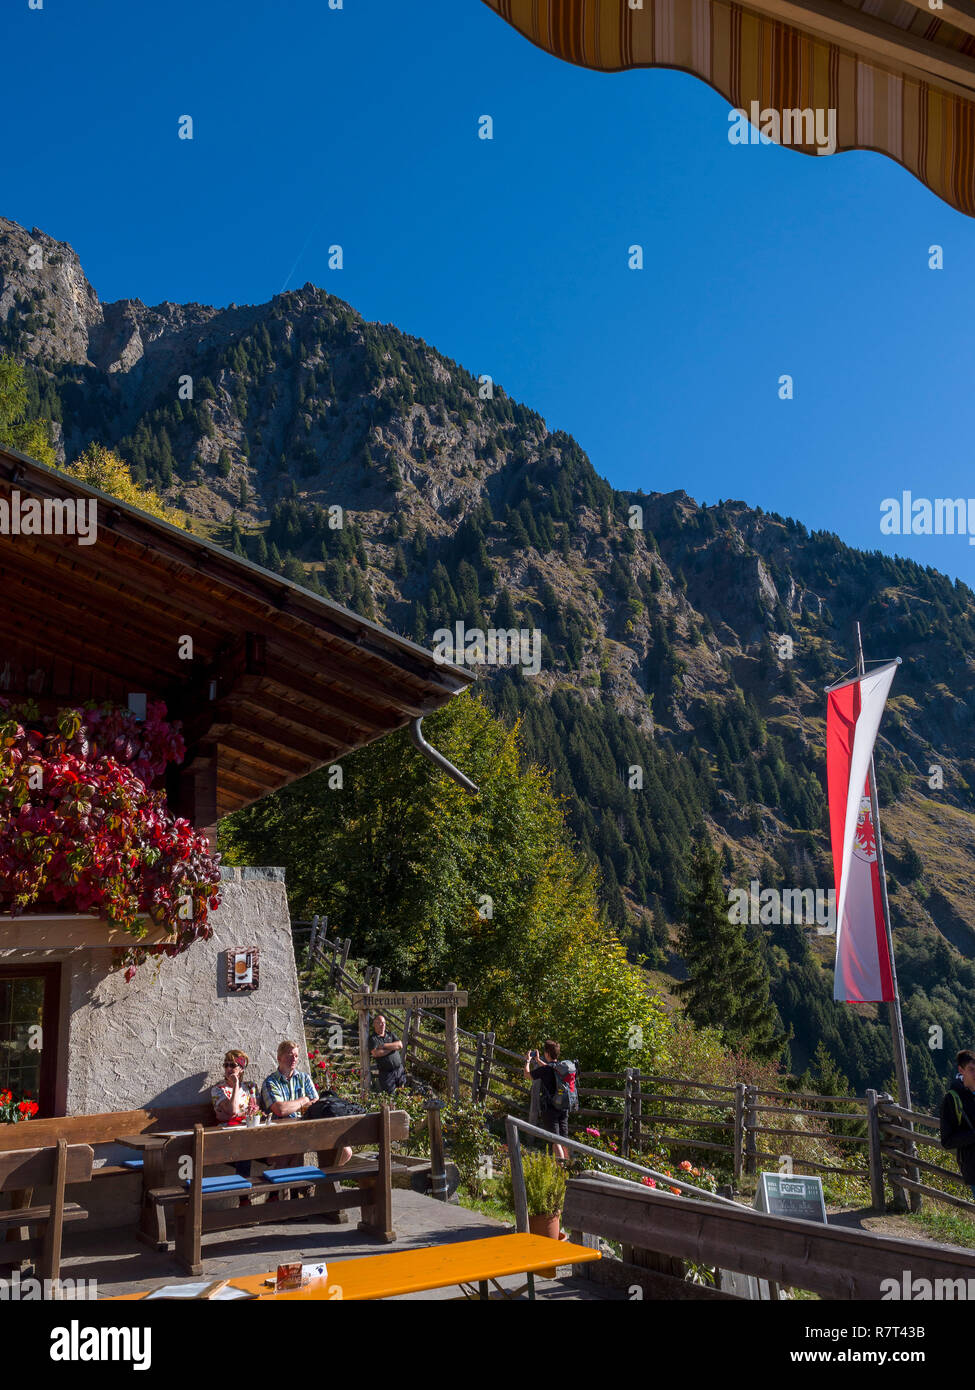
389 1058
287 1093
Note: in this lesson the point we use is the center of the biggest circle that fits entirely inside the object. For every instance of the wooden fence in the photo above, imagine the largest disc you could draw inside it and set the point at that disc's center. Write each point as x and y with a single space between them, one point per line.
901 1133
743 1127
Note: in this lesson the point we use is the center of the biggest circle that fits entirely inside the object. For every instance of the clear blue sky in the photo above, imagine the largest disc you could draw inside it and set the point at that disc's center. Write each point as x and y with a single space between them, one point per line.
359 126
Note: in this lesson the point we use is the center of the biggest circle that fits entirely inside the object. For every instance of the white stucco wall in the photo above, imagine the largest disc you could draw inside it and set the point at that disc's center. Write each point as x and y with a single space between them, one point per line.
160 1038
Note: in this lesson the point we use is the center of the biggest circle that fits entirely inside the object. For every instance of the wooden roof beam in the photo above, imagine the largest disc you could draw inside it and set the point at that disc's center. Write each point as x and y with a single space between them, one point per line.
272 734
51 612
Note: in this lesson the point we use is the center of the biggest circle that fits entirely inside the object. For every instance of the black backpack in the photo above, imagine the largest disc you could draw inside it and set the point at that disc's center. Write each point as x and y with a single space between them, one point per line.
329 1106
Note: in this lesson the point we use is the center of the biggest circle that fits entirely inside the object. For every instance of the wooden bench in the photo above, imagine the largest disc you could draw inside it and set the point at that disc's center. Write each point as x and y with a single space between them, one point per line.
23 1170
103 1128
836 1262
373 1178
106 1129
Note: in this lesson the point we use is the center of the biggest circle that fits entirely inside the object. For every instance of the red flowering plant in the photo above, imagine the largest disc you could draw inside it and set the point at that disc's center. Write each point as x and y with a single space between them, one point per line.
13 1110
81 826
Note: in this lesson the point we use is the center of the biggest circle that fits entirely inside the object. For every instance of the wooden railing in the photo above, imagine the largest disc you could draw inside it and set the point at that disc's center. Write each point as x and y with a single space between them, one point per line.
901 1133
675 1115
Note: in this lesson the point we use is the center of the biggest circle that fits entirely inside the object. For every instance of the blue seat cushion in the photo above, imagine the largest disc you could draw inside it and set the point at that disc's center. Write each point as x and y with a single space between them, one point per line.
132 1162
222 1184
294 1174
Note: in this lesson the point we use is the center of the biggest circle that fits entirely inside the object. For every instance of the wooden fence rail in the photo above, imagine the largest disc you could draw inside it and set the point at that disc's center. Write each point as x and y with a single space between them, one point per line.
900 1131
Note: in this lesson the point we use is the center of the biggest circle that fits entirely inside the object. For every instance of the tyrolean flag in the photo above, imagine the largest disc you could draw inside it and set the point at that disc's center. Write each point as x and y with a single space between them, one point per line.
853 712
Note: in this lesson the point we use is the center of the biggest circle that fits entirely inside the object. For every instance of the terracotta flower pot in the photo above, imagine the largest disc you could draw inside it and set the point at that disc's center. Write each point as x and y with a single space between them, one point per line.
547 1226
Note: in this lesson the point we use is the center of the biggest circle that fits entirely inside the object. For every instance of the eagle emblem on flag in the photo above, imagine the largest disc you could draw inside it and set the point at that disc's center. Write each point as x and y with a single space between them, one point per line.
866 840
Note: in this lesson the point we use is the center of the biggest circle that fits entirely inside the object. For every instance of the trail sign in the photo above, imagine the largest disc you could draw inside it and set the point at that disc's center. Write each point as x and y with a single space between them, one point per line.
410 999
783 1195
414 1001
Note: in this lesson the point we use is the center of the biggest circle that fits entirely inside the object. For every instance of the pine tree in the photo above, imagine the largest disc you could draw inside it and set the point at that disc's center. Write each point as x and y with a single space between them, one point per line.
728 984
505 615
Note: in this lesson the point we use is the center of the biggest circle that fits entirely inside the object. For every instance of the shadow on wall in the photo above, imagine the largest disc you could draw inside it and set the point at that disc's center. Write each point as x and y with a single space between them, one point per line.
177 1093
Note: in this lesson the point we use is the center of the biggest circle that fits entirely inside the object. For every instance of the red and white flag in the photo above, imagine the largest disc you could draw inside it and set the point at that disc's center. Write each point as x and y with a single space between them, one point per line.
853 712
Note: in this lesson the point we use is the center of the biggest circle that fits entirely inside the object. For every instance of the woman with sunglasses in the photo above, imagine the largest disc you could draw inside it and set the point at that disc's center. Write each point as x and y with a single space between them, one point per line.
232 1103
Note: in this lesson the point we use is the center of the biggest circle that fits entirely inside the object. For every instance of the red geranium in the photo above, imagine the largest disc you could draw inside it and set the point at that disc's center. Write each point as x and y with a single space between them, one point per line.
80 824
11 1111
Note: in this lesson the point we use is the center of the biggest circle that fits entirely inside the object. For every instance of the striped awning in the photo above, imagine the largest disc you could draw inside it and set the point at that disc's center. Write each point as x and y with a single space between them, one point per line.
899 75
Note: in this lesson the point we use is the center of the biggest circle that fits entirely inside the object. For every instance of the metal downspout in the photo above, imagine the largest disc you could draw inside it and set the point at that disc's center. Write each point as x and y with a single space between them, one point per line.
418 741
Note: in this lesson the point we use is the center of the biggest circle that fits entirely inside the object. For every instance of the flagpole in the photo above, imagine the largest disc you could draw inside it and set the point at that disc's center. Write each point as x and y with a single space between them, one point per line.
894 1005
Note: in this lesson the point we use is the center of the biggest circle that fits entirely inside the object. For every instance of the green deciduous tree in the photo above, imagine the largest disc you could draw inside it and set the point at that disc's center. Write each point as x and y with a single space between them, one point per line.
436 885
29 437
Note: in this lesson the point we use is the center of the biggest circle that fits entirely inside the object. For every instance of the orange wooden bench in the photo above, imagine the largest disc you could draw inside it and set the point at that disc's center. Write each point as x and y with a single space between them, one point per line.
464 1263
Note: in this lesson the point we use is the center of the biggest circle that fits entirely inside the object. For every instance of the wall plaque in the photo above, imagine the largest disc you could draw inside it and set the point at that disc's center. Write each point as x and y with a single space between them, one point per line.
243 969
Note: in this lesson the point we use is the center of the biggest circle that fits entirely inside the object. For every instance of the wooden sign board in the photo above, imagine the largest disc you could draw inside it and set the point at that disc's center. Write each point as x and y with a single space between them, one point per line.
431 999
782 1194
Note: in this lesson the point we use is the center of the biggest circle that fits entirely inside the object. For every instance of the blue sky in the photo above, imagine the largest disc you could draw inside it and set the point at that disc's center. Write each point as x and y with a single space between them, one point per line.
359 127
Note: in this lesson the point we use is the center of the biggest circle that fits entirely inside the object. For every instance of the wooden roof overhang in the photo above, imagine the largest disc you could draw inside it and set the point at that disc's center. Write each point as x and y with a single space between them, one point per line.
281 681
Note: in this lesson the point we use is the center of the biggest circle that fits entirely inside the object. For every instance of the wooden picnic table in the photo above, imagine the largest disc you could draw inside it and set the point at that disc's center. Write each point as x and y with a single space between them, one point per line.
464 1263
152 1147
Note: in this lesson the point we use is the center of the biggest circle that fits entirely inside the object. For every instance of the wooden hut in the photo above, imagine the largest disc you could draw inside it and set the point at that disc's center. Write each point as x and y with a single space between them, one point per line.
102 601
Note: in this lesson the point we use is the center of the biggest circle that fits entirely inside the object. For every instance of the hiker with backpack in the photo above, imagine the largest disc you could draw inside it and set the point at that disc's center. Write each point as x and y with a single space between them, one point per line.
958 1117
558 1091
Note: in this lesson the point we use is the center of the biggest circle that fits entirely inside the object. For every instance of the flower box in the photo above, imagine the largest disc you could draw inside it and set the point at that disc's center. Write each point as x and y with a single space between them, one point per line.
67 931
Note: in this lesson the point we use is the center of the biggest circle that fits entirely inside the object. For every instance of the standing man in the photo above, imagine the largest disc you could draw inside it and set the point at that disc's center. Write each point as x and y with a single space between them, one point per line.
958 1116
389 1057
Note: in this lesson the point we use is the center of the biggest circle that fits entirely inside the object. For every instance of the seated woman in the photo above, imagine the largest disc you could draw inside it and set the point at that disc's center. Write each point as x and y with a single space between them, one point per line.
232 1103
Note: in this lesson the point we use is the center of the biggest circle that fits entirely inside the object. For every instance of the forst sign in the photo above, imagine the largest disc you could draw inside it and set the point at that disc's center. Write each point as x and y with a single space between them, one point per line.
799 1197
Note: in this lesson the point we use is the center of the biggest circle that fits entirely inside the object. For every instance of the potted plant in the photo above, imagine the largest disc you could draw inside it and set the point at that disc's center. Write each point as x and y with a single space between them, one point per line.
544 1193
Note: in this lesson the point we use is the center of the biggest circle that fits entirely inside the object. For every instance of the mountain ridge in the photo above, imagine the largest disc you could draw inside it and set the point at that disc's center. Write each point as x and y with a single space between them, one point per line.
692 642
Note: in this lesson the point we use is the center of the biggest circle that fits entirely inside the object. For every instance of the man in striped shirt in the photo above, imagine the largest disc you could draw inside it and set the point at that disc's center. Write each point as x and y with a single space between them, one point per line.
287 1093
